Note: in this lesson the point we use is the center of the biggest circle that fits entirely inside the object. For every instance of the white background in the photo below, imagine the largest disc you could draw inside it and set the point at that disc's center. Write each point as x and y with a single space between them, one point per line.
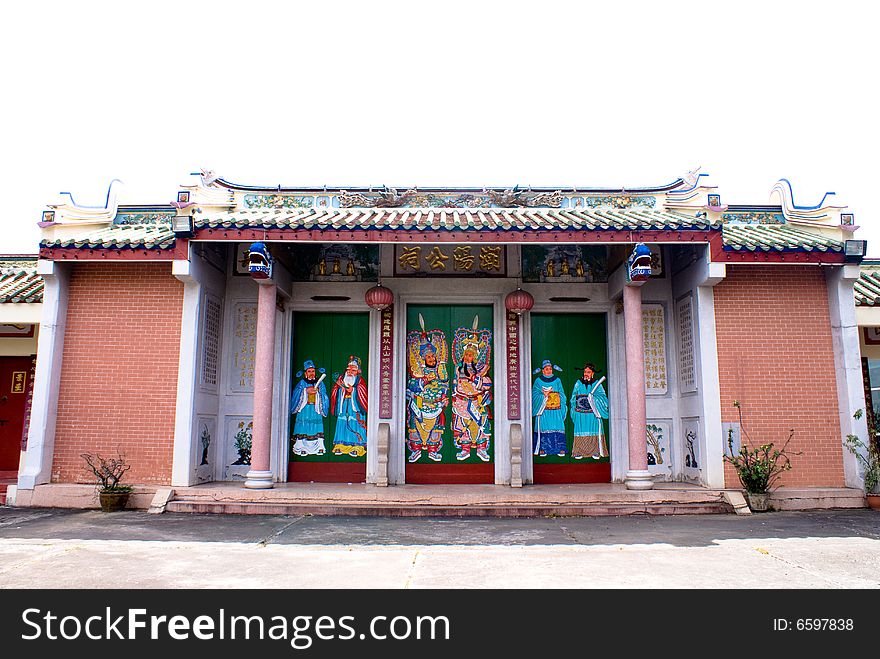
453 93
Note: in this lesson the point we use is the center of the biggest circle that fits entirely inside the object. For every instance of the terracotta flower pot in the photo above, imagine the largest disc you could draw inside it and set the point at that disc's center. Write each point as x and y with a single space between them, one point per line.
873 501
759 503
112 502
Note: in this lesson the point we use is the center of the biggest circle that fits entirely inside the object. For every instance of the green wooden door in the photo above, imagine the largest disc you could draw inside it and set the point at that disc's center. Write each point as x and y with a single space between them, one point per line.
449 426
328 435
568 342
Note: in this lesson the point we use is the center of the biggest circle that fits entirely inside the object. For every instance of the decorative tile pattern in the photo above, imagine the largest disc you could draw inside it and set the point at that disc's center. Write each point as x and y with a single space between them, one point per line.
867 286
19 281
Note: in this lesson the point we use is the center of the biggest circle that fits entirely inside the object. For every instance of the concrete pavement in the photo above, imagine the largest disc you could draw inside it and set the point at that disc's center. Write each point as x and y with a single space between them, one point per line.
69 548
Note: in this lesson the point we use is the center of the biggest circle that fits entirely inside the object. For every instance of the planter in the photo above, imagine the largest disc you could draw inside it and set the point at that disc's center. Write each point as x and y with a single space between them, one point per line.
873 501
759 503
112 502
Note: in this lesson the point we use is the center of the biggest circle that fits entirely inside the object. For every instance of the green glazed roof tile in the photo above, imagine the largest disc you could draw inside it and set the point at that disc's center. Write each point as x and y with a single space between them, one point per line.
19 281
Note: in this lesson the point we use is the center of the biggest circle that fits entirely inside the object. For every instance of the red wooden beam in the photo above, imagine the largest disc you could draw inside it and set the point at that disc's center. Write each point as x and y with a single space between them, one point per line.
84 254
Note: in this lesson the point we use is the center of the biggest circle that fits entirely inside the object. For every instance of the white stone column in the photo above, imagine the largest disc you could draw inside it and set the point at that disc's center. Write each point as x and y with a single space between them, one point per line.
847 363
44 406
189 272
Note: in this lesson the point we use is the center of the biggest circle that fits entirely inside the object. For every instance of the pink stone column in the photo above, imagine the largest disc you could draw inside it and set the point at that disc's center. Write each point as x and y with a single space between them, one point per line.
637 477
260 475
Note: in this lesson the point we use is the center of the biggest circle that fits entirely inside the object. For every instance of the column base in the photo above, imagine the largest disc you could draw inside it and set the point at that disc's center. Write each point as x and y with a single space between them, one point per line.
259 480
639 480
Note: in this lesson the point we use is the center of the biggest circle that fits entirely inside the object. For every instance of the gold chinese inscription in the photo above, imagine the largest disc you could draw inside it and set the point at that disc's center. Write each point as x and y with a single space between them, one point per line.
411 258
443 259
490 257
437 259
18 380
463 258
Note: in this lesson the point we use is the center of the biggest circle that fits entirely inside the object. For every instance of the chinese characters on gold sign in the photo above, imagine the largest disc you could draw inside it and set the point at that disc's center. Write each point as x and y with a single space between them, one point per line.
513 398
455 260
386 363
18 379
244 344
654 335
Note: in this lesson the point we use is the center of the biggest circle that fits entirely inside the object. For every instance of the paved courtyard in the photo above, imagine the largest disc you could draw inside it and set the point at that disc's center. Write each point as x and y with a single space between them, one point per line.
67 548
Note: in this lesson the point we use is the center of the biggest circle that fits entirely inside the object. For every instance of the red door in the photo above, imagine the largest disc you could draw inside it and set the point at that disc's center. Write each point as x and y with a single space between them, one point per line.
15 375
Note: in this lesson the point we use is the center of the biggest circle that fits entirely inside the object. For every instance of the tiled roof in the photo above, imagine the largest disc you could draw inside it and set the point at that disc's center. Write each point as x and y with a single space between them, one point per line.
120 236
19 281
434 219
750 237
775 238
867 286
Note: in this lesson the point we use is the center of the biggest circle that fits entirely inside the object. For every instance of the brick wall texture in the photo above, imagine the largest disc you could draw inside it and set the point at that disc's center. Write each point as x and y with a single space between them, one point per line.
775 356
119 371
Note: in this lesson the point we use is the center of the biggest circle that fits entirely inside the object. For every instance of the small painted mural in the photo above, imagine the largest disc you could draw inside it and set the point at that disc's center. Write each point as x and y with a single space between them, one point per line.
243 441
621 201
310 403
348 401
564 263
549 410
278 201
206 429
691 436
143 218
334 262
754 218
589 406
205 441
426 392
657 440
472 391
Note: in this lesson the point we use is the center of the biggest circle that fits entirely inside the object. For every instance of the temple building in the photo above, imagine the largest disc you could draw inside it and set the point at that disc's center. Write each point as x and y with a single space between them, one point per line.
257 336
21 296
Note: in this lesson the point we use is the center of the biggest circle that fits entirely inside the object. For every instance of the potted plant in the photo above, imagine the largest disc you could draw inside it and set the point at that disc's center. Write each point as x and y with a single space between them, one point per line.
109 471
758 468
868 455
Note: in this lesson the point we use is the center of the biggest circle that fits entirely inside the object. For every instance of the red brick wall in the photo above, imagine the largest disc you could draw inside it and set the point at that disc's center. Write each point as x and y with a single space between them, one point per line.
119 370
775 356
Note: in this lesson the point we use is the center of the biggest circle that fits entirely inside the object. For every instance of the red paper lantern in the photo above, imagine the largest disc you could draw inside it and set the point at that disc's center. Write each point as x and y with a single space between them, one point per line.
379 298
519 301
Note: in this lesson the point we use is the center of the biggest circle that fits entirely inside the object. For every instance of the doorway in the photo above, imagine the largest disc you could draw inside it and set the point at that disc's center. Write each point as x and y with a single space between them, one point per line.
449 426
15 374
327 439
570 439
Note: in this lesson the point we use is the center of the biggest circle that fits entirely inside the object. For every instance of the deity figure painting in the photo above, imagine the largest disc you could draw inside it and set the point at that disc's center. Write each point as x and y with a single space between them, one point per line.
348 400
589 405
472 391
549 405
310 403
426 392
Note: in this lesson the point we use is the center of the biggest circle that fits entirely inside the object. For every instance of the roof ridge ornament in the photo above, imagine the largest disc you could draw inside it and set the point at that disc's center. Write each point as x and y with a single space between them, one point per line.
516 197
387 198
782 190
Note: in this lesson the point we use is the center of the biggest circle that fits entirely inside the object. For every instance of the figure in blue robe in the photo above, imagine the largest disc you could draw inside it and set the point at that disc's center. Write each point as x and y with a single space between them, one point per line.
549 410
310 402
589 406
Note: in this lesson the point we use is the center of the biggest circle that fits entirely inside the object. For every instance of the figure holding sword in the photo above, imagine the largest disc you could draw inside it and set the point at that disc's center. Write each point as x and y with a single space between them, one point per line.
310 403
589 405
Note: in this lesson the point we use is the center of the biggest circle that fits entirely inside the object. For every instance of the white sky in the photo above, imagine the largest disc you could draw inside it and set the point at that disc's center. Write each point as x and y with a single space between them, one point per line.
453 93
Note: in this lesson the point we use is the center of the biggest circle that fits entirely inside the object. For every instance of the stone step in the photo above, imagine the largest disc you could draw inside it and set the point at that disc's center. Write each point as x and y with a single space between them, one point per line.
379 509
817 498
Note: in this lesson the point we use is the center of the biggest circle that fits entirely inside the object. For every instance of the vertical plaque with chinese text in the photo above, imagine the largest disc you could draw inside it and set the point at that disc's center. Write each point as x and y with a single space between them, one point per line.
513 357
386 362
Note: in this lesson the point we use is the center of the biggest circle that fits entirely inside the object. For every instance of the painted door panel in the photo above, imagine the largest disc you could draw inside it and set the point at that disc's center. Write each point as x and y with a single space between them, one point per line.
15 373
449 427
568 341
329 340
